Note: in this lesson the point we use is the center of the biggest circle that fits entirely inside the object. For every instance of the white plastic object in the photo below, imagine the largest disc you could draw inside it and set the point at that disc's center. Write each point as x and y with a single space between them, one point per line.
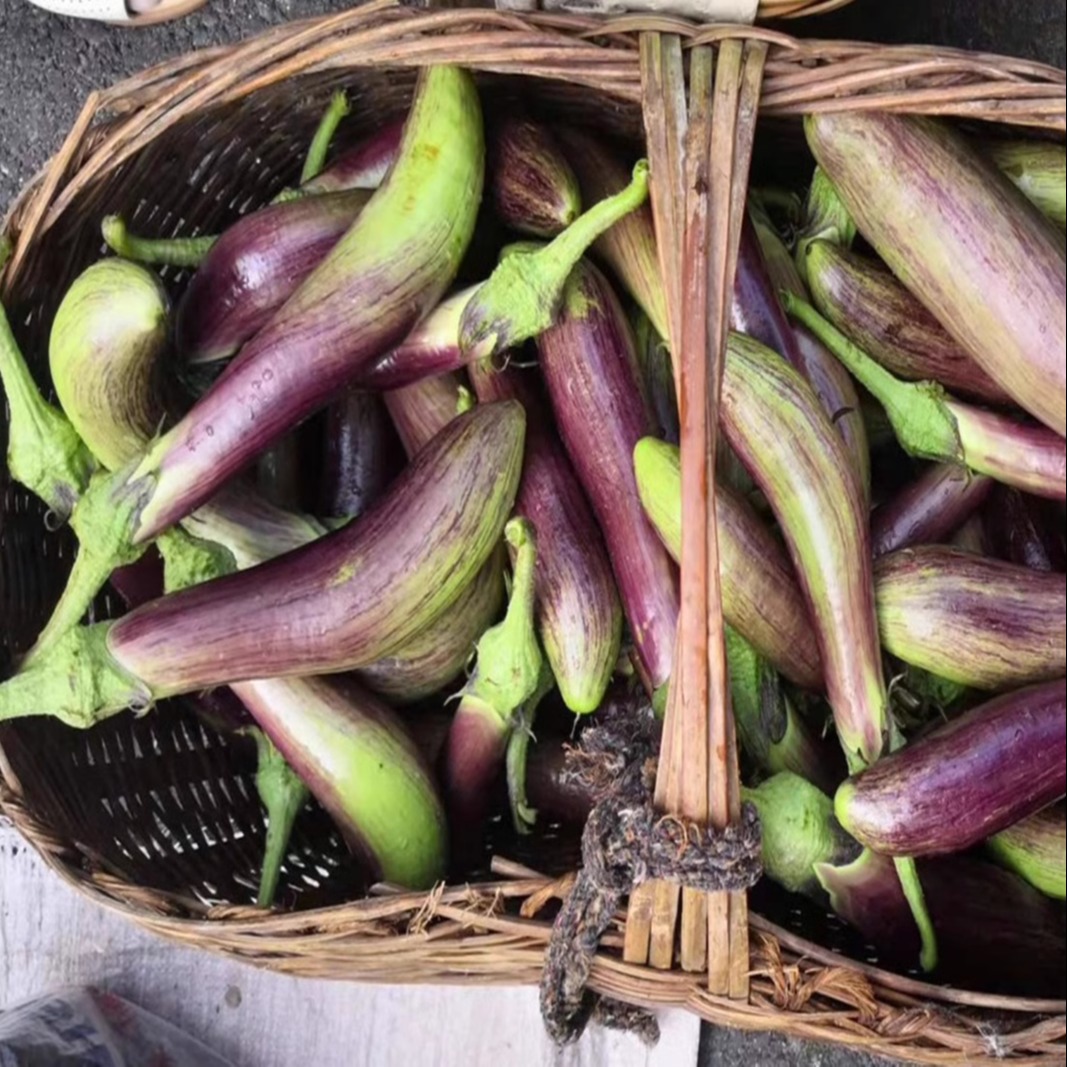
117 11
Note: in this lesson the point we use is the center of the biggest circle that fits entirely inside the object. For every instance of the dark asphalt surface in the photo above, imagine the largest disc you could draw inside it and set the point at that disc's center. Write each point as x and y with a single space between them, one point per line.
48 65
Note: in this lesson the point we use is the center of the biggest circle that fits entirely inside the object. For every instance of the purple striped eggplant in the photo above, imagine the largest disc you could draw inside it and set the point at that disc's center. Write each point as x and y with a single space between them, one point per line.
963 239
757 311
799 831
628 249
44 451
1025 530
761 597
532 187
998 934
360 455
420 411
590 369
364 166
1035 849
870 307
255 267
931 508
930 424
105 351
973 620
388 270
775 423
362 767
343 602
435 658
969 779
579 618
1038 170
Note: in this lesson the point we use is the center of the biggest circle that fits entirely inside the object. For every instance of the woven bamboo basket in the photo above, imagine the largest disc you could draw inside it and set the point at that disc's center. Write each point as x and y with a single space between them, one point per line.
156 818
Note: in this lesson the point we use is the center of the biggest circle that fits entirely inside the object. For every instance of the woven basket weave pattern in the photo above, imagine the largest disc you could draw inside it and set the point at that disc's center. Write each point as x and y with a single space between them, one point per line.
158 817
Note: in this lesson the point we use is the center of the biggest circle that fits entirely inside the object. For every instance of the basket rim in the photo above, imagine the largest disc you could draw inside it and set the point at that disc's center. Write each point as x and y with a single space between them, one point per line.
136 110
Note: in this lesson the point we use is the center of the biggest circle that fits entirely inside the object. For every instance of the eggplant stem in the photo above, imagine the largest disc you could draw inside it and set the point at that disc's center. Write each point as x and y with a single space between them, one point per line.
908 874
158 251
825 218
918 411
44 452
284 796
77 682
523 816
320 143
521 297
189 560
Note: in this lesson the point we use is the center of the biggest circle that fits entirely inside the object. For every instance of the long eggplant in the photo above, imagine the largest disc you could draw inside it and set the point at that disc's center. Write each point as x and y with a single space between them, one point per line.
360 455
998 934
761 597
933 506
1038 170
930 424
532 186
579 617
775 423
419 411
590 369
365 166
867 304
980 622
343 602
390 267
1036 850
970 779
1025 530
963 239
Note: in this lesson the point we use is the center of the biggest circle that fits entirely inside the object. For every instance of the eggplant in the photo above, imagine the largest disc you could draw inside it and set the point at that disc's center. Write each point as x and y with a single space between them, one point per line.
390 268
773 734
657 375
873 310
533 188
343 602
1038 170
365 166
435 658
799 832
360 455
980 622
963 239
1025 530
507 673
775 423
970 779
44 451
761 597
757 312
825 218
590 369
419 411
628 249
1035 850
932 507
579 618
832 383
999 935
524 295
931 424
255 267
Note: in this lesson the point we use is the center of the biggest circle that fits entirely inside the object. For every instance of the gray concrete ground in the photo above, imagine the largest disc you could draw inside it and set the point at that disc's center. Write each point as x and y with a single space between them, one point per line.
48 65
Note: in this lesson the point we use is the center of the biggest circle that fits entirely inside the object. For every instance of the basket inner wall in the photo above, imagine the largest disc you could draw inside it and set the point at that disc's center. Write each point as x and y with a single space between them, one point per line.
163 802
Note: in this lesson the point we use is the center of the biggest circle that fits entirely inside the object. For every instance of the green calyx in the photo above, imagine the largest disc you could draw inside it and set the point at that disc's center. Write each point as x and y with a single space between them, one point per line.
44 452
509 657
320 143
799 831
102 519
522 296
284 796
918 411
77 681
825 219
189 561
159 251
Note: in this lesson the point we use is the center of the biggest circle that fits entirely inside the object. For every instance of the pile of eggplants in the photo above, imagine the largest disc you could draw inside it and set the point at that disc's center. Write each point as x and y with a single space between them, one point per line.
403 527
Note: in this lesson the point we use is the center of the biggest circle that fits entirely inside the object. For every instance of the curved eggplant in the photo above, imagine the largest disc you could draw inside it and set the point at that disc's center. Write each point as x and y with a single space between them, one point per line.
1036 850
